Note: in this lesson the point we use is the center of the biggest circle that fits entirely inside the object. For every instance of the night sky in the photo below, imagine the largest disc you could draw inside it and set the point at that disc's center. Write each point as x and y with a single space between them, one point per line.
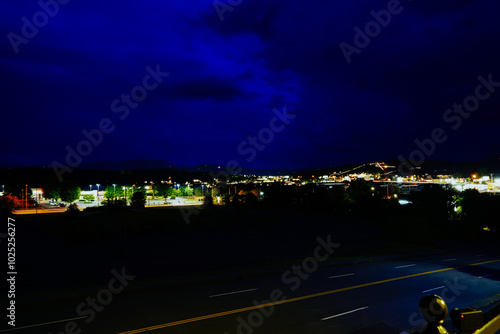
233 68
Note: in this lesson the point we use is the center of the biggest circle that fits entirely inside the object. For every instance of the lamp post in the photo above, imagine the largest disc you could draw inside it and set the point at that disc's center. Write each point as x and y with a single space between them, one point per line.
153 188
98 194
125 193
114 192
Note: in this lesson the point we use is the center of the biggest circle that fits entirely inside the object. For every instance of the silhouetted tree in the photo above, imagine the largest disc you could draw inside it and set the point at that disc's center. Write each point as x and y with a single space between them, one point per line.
7 203
51 191
112 192
186 191
164 190
69 192
359 194
481 209
138 199
435 202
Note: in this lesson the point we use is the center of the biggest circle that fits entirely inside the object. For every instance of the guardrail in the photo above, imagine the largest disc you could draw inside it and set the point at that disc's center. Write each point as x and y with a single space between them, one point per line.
467 321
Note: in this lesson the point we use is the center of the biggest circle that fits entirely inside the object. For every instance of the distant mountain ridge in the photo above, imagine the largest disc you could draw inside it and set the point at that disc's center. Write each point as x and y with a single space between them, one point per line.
128 165
430 166
161 164
488 165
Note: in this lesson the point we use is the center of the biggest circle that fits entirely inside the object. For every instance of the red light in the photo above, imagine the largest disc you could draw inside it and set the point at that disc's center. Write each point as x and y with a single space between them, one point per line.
461 316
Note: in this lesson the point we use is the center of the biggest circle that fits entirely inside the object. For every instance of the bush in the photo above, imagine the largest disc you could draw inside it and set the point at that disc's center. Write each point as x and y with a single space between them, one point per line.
73 209
8 202
119 203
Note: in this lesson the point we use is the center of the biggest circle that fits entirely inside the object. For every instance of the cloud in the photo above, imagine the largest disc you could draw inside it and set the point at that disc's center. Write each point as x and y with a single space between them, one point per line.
226 77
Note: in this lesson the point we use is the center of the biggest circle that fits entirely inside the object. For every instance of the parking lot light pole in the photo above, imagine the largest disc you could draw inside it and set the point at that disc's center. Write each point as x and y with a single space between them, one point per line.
98 194
153 188
125 193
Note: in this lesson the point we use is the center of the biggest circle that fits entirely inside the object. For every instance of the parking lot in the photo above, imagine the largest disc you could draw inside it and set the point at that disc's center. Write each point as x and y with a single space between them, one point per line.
51 206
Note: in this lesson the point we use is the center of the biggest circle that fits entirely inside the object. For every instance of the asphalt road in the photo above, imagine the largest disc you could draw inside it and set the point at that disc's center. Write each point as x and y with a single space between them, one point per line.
352 298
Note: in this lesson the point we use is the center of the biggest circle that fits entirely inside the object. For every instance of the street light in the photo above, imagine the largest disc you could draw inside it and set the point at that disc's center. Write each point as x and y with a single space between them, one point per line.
153 188
114 192
98 194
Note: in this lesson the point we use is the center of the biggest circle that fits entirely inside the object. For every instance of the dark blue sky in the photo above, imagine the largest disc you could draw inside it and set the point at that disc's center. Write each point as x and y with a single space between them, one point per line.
226 77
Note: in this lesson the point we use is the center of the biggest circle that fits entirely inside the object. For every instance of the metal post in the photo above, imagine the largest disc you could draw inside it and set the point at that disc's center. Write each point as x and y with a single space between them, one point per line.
98 194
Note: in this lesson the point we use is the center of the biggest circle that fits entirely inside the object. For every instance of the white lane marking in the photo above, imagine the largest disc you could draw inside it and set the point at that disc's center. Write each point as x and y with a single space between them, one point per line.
439 287
486 276
232 293
42 324
449 260
341 314
408 265
344 275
